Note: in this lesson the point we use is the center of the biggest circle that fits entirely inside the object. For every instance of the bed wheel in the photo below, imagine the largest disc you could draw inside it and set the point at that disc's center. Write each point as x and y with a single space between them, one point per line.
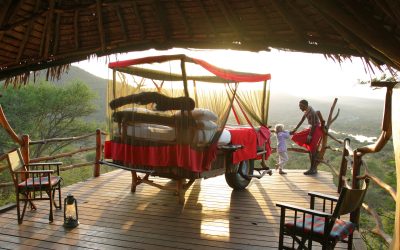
236 177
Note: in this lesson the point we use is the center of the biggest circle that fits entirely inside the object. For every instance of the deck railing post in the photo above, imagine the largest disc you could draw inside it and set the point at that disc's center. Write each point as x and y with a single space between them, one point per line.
343 165
355 216
96 171
25 148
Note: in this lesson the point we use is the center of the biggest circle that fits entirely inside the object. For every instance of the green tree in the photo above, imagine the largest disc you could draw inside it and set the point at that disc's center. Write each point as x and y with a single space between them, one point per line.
46 111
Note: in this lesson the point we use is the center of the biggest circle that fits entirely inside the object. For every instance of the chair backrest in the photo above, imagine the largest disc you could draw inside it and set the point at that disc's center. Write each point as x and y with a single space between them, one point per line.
350 200
15 163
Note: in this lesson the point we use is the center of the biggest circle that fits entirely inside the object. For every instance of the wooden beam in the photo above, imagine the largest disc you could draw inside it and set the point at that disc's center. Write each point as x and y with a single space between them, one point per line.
230 18
364 48
386 84
49 30
288 17
262 15
8 12
5 11
100 24
208 18
56 36
122 23
139 20
184 19
378 38
76 28
162 19
29 19
26 35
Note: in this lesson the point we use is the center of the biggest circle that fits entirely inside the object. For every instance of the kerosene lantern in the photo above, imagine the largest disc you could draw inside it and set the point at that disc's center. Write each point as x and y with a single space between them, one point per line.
70 212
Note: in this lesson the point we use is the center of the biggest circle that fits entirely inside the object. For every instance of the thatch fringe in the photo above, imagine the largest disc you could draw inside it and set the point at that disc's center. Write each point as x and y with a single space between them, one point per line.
52 74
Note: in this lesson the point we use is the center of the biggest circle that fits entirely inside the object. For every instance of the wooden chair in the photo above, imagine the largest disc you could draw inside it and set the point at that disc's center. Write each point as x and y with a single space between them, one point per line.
324 225
35 181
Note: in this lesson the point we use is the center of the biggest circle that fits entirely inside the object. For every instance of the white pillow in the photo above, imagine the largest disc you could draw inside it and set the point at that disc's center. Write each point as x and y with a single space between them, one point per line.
145 111
202 136
201 114
206 125
139 110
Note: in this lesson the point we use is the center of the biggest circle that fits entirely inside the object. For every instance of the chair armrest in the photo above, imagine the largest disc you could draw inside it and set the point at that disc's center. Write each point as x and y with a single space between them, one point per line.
35 172
44 163
303 210
323 196
327 202
45 166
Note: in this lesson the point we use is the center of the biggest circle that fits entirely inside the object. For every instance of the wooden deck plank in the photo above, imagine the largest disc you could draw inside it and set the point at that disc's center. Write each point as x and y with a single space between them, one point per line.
213 216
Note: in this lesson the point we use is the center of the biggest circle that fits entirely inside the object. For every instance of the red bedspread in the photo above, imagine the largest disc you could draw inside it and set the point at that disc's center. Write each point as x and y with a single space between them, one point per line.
247 137
196 160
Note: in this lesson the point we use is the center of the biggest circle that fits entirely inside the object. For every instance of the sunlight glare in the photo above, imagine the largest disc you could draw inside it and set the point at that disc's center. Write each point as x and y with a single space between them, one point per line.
218 227
294 73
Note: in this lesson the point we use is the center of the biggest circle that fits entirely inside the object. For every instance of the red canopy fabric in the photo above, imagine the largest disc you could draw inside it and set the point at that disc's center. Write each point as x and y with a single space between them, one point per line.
223 73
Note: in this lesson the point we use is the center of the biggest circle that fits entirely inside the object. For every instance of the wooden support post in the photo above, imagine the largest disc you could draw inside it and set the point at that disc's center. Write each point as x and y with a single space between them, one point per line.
184 77
96 171
180 190
25 148
357 161
4 123
134 181
343 165
396 145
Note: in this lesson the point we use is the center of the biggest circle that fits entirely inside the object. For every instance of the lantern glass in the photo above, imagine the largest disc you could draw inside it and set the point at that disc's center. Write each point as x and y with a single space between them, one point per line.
70 212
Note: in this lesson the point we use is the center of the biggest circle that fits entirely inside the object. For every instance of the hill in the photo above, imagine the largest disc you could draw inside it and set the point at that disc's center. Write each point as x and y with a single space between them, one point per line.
357 115
97 84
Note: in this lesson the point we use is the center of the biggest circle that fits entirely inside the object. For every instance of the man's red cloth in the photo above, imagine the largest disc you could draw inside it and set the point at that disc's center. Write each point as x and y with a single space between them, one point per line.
300 138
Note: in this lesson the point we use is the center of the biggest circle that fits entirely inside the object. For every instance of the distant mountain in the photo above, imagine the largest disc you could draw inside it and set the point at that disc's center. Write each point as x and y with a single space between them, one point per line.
97 84
360 115
356 114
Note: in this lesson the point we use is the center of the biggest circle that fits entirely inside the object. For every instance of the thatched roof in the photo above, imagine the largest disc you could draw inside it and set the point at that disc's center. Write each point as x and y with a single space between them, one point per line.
38 34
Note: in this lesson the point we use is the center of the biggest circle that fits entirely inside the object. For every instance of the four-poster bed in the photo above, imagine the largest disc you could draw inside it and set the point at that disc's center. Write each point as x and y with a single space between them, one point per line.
170 128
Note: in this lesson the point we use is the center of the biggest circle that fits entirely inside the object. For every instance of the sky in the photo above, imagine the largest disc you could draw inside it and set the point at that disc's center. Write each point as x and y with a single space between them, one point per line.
299 74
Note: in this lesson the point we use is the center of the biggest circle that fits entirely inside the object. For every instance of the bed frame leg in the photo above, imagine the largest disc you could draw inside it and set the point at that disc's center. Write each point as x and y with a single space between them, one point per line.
134 181
180 190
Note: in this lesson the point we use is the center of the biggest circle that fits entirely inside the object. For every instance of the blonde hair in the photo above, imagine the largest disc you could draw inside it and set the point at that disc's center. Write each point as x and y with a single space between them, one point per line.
279 127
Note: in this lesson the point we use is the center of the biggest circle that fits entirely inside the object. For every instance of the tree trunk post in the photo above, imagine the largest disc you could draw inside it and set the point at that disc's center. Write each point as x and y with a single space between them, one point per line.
343 165
25 148
96 171
4 123
396 145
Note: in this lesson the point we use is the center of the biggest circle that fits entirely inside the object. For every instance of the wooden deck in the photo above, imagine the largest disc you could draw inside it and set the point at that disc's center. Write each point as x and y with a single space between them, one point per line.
213 217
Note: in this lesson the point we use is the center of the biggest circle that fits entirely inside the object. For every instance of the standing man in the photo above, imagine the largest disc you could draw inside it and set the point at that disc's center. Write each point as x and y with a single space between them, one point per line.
309 138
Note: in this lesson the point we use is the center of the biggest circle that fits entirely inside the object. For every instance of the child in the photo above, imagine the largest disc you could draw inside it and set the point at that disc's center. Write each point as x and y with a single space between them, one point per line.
281 136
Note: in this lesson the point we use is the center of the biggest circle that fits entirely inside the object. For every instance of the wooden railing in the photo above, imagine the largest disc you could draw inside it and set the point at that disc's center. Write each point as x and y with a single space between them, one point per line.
97 148
352 159
24 143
